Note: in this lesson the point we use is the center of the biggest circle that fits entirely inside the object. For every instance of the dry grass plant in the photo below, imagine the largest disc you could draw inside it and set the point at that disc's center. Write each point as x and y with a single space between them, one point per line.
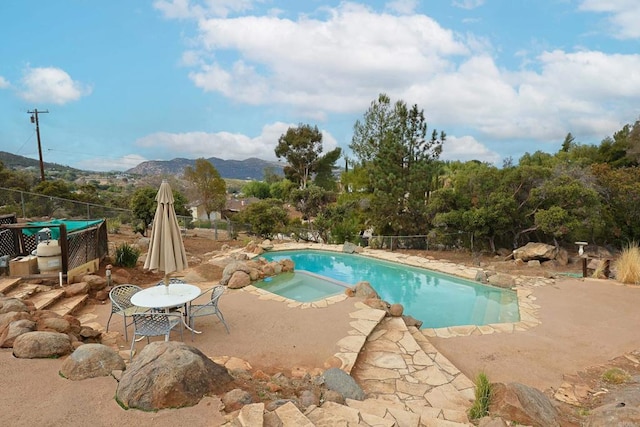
627 266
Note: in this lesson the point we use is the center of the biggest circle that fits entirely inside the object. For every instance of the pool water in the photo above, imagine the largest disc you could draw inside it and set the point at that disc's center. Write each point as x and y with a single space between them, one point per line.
302 286
438 300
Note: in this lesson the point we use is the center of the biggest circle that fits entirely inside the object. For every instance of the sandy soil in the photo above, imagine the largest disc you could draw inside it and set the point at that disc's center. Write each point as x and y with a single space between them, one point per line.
584 322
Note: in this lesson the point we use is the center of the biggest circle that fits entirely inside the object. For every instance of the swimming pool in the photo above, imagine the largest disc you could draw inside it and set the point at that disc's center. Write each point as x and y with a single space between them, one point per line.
438 300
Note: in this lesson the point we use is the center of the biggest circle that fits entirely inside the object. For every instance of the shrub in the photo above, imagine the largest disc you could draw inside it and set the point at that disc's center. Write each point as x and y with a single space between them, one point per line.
127 255
627 266
480 407
615 376
113 225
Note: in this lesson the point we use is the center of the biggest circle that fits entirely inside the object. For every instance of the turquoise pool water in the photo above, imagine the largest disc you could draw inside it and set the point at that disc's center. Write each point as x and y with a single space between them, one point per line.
438 300
302 286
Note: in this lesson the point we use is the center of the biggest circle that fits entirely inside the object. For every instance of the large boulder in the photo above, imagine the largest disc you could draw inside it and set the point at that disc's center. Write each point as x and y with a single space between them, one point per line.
231 268
40 344
74 289
90 361
170 375
614 414
535 250
9 305
364 289
501 280
94 281
14 330
238 280
351 248
523 404
338 380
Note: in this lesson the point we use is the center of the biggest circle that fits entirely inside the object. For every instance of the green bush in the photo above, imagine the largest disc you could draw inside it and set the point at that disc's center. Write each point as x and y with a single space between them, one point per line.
126 255
113 225
480 406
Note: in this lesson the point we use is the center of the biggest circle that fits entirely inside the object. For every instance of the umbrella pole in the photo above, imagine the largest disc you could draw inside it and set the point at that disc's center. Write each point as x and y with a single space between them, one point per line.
166 283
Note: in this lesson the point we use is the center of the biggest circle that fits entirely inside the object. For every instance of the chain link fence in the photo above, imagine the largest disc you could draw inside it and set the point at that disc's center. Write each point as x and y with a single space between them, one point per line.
32 205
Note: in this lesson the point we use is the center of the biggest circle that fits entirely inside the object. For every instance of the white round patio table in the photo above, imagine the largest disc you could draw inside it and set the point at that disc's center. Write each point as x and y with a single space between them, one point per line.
166 297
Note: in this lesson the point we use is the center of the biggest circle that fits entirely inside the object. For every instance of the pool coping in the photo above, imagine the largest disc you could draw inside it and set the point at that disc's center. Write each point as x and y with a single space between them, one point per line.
528 309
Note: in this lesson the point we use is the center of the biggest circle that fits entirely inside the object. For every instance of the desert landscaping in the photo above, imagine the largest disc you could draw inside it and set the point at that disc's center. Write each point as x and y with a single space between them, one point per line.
275 351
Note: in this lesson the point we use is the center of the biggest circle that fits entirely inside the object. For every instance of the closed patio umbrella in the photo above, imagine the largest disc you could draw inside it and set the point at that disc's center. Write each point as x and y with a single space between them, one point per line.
166 249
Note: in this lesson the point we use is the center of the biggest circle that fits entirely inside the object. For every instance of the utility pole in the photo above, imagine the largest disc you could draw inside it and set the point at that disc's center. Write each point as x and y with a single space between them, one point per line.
34 119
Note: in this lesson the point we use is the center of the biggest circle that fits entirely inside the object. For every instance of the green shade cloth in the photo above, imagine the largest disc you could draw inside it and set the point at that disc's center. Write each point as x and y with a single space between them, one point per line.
72 225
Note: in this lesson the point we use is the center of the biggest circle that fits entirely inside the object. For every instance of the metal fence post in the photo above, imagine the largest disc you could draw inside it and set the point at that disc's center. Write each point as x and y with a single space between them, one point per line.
24 209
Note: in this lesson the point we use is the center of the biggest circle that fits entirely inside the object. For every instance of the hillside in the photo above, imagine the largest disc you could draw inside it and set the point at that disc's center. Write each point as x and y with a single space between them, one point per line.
231 169
13 161
236 169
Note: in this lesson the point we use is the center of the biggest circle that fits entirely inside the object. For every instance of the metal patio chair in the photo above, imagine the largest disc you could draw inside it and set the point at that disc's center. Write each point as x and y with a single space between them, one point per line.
210 308
154 324
120 297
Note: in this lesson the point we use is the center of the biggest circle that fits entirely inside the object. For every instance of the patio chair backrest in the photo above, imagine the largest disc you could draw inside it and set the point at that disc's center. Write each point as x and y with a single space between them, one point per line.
171 280
216 293
153 324
121 297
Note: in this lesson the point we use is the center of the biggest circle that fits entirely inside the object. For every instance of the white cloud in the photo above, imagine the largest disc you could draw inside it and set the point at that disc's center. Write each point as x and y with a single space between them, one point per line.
105 164
51 85
468 4
623 16
467 148
403 7
338 64
4 83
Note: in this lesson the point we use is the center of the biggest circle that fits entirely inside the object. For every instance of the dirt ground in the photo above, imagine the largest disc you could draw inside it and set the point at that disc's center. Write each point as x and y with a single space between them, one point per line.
585 325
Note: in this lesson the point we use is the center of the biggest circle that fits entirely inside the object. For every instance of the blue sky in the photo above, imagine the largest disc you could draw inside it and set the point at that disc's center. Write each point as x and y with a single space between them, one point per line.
127 81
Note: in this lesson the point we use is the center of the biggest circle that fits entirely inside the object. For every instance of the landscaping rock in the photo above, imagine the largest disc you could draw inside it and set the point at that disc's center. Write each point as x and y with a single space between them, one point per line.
9 305
523 404
338 380
39 344
236 399
231 268
90 361
412 321
351 248
364 290
95 282
614 415
79 288
14 330
12 316
481 277
396 310
238 280
333 396
308 398
170 375
535 250
501 280
56 324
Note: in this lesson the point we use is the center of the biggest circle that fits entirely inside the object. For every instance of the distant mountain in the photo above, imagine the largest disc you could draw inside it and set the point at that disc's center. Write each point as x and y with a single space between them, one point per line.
236 169
14 161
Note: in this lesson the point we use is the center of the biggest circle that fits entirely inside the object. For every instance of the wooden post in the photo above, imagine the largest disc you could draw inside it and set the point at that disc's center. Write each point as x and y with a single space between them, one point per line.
584 267
64 248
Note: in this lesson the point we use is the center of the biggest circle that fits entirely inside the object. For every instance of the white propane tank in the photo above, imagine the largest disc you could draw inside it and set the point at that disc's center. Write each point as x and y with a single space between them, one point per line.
49 255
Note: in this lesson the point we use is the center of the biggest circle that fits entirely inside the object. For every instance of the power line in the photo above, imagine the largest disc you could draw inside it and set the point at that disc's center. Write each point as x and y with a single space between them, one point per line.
34 119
